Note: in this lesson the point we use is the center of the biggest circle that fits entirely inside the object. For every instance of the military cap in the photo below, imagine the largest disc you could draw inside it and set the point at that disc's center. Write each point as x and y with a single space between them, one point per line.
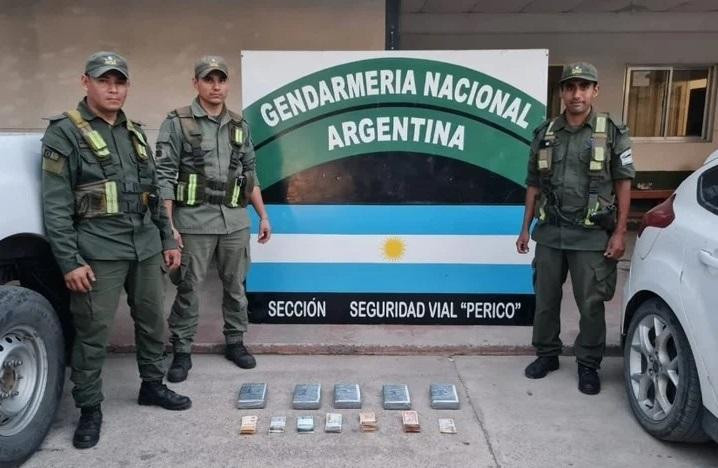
102 62
208 64
579 71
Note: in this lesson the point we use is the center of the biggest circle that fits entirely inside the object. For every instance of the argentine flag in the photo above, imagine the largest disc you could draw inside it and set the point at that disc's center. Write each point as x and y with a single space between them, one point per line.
391 249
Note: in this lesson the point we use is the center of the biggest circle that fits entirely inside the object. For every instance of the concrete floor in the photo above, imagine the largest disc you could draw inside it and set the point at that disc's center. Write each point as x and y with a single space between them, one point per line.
505 420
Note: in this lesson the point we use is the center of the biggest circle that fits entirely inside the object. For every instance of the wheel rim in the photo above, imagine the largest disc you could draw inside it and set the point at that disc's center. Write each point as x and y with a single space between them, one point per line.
653 367
23 376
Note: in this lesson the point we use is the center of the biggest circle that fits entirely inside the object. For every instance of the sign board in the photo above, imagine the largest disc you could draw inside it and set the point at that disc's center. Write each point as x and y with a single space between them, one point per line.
395 184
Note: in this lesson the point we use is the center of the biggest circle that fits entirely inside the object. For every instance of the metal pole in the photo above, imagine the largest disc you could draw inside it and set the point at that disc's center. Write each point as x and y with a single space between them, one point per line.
392 24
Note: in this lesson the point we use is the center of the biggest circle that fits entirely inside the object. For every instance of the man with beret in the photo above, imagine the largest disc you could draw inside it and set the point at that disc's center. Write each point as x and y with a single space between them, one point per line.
108 231
206 169
578 187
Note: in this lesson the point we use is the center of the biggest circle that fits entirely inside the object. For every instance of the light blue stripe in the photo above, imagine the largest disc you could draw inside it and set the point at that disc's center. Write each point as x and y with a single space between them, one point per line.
394 219
388 278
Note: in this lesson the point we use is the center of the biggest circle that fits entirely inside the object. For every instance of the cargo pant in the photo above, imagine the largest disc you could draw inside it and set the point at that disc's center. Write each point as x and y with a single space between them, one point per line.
594 281
231 252
94 312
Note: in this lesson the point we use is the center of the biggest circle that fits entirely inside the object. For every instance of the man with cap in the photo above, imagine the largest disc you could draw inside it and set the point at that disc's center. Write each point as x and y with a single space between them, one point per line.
206 168
578 187
108 230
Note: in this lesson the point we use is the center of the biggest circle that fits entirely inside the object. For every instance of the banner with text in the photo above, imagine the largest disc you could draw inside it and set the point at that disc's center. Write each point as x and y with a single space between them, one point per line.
394 181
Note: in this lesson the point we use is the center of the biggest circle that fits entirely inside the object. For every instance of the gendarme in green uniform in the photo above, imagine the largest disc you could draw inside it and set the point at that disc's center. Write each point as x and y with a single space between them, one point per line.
138 239
570 179
127 236
174 155
107 228
575 169
206 166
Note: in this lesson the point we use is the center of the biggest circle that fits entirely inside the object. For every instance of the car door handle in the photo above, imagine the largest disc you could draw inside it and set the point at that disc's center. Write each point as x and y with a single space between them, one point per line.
708 259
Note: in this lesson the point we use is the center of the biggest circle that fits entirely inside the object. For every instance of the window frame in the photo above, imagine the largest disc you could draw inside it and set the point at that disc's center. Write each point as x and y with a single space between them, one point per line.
708 111
560 67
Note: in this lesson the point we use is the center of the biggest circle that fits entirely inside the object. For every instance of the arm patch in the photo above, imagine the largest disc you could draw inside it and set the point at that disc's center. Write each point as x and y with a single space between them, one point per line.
626 157
52 162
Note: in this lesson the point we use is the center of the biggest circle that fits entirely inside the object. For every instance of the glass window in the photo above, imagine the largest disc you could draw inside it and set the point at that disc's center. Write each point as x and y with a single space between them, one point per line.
708 190
667 101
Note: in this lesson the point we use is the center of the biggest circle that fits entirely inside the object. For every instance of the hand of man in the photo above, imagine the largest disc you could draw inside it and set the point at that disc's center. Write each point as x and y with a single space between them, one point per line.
522 243
265 231
616 247
80 279
178 237
173 258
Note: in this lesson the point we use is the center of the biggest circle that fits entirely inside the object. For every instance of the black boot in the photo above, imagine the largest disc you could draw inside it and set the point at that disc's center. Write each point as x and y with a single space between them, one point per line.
87 433
588 380
155 393
239 355
541 366
181 364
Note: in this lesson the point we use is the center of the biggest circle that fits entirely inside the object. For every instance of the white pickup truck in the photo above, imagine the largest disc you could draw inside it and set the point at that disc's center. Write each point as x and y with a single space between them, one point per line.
34 315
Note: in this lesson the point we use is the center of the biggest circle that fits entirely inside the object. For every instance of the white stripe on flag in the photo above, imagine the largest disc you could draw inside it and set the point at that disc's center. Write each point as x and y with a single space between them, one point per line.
339 248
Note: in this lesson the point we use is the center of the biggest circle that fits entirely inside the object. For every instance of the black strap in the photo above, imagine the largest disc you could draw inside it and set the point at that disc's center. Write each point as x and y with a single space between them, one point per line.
193 135
218 185
215 199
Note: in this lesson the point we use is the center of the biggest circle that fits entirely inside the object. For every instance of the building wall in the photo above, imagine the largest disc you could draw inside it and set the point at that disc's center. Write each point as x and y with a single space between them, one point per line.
44 44
610 41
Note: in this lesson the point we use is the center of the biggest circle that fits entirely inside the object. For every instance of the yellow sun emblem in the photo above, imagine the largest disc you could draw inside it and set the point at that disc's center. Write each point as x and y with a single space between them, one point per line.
393 248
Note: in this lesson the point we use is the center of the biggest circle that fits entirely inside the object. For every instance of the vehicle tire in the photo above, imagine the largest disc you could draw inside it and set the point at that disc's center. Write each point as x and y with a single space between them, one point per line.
32 371
660 375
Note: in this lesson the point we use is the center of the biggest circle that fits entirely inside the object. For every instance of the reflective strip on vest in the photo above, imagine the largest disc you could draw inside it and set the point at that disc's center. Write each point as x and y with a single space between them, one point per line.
590 212
601 122
549 130
97 143
91 136
141 151
138 140
599 153
543 160
545 154
596 166
111 197
192 189
238 135
235 195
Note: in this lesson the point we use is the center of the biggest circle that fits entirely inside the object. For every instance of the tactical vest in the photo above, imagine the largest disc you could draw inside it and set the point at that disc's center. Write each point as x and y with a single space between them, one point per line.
112 196
600 193
193 186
